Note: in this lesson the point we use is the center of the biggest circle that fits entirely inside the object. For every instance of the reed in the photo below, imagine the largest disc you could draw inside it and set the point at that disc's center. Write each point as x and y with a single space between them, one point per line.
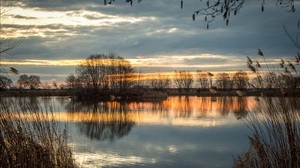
276 138
275 123
36 141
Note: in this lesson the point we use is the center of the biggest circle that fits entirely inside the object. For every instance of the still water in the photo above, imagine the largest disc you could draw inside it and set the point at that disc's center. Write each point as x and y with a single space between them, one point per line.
177 132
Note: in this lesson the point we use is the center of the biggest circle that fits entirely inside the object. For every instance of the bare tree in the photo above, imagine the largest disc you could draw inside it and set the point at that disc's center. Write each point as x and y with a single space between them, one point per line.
183 80
202 79
71 81
160 82
23 81
7 43
5 82
106 72
240 80
29 82
34 81
223 81
270 80
209 10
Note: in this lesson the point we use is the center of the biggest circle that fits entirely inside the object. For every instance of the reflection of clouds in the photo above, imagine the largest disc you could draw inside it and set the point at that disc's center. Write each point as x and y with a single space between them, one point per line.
101 159
172 149
105 131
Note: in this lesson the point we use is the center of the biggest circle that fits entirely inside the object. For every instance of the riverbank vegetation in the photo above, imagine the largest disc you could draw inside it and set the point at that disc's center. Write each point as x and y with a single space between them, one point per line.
275 124
36 141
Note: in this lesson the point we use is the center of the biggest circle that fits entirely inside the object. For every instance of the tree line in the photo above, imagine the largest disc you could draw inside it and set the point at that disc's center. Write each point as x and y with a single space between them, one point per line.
112 72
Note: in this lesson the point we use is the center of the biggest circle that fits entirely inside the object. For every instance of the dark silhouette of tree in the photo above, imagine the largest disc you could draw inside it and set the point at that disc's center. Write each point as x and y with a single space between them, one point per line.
7 43
202 79
183 80
210 75
73 82
31 82
34 81
240 80
5 82
209 10
160 82
270 80
223 81
23 81
106 72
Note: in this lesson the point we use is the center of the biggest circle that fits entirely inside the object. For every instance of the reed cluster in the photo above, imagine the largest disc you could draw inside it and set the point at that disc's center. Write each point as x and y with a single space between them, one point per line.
275 141
29 138
275 123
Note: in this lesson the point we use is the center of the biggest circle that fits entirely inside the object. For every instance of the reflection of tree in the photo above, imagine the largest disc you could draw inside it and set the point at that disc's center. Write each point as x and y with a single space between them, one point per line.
204 106
241 109
224 105
105 131
111 125
183 107
113 120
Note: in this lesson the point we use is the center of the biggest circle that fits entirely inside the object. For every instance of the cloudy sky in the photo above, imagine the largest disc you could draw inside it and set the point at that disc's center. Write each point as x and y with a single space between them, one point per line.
155 35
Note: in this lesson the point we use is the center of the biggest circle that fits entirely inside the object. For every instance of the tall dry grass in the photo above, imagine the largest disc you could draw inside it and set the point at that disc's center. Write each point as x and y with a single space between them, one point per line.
275 123
275 141
32 142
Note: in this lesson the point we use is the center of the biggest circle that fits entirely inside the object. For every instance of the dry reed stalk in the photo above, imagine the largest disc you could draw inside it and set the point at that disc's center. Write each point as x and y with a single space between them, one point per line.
276 135
37 142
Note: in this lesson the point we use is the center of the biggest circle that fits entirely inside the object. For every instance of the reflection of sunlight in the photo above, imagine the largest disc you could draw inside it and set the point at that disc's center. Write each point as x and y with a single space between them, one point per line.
175 111
172 149
101 159
142 118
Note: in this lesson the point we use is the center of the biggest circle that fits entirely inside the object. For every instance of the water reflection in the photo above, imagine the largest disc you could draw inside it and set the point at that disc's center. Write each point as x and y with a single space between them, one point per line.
114 120
104 120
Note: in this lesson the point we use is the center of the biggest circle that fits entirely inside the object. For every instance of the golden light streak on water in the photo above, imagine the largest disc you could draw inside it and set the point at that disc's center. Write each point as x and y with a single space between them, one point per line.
175 111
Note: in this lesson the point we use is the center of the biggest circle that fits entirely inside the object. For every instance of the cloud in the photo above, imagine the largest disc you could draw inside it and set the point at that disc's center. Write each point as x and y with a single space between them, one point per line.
74 29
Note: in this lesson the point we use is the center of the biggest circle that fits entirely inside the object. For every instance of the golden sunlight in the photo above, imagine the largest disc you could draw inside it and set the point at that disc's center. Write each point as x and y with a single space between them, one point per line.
175 111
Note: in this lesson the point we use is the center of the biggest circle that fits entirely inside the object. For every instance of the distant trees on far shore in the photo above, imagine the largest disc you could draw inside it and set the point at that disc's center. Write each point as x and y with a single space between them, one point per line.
5 82
103 72
29 82
114 73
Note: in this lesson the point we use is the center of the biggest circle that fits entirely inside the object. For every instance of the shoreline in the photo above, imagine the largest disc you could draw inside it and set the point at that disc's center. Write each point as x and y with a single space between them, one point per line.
168 92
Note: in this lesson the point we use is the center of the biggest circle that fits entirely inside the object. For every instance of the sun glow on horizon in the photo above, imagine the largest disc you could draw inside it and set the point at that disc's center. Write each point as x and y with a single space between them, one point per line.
155 61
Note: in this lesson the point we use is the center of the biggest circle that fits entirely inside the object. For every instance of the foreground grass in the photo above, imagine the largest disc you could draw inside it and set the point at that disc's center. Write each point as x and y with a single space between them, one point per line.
37 142
276 140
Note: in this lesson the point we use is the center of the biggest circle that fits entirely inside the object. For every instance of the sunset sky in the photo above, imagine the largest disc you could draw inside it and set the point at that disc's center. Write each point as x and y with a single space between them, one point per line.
155 35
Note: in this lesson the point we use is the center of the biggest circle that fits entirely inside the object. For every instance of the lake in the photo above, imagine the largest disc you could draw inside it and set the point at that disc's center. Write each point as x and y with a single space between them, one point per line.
177 132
